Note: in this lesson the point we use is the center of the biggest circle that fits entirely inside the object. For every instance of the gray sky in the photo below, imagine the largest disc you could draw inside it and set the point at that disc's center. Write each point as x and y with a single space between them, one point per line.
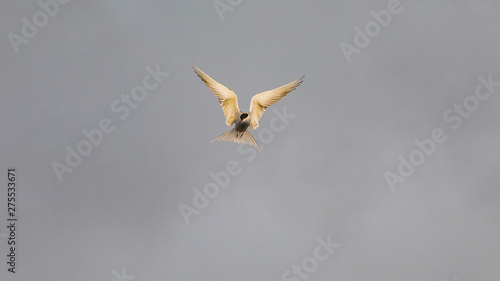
321 174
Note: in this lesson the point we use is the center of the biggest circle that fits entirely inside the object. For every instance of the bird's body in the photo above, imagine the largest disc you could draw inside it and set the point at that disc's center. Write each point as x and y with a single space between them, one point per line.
243 120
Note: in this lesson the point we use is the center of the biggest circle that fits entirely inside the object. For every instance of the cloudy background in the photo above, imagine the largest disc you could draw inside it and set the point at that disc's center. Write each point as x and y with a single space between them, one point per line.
321 176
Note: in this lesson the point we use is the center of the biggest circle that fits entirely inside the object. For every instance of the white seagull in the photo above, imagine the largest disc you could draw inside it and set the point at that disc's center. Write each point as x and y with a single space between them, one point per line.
242 120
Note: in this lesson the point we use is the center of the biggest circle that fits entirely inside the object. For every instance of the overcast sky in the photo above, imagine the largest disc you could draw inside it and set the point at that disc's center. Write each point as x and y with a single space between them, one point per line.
388 149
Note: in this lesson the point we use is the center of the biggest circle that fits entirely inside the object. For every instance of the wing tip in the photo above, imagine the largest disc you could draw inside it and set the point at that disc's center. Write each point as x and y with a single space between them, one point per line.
300 80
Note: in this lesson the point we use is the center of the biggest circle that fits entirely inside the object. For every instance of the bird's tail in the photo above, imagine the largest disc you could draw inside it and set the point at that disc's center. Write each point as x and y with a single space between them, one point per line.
238 137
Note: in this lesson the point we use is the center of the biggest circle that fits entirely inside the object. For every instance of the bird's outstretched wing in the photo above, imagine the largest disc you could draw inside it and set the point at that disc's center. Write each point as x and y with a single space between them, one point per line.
261 101
227 98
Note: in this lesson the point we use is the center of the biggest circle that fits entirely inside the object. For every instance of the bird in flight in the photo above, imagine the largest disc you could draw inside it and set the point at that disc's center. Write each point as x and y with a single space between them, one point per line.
243 120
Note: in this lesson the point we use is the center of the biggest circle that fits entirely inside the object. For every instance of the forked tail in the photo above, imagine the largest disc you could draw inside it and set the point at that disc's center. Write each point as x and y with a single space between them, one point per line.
238 137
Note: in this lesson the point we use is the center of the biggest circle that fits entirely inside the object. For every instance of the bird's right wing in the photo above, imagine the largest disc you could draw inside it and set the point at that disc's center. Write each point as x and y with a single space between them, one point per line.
260 102
227 98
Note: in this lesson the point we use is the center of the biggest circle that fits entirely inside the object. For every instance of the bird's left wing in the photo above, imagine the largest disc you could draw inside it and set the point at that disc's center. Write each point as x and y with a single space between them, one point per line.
261 101
227 98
